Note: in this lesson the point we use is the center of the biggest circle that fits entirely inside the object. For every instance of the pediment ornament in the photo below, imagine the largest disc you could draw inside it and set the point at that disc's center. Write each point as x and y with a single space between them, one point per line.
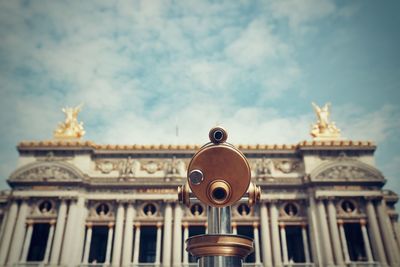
46 172
350 170
347 173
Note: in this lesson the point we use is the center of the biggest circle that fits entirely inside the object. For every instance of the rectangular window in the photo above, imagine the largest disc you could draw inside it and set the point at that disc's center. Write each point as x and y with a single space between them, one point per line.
98 245
294 241
148 243
355 241
37 247
249 232
195 230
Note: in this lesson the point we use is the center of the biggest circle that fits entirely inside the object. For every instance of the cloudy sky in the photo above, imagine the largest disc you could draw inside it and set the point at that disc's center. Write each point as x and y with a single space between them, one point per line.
144 68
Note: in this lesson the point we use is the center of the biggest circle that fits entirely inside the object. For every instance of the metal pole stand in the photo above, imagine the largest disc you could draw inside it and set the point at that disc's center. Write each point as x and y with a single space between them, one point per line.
219 176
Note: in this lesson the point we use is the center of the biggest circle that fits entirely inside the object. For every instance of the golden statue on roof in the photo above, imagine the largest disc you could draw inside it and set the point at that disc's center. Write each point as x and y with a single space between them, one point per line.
324 129
70 128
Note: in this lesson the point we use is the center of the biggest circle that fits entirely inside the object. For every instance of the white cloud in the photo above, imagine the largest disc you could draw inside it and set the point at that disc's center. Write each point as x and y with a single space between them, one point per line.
256 44
376 125
300 12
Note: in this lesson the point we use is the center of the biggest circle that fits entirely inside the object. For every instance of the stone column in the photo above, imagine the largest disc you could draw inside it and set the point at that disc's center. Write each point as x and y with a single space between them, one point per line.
128 236
377 244
265 236
27 240
137 244
55 252
109 242
19 233
344 242
315 242
166 259
305 243
158 244
3 221
284 244
88 241
326 242
119 226
256 243
388 239
337 249
177 249
70 232
396 229
234 228
367 246
185 237
49 241
8 231
276 248
80 227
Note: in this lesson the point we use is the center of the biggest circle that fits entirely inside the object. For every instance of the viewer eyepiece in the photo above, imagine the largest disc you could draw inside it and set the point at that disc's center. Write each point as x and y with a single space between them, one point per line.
218 135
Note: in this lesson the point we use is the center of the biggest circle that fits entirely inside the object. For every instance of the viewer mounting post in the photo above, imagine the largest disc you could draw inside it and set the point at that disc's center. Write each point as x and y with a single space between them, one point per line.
219 176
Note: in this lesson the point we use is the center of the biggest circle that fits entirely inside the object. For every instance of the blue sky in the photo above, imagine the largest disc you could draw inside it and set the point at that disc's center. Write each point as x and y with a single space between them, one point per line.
143 67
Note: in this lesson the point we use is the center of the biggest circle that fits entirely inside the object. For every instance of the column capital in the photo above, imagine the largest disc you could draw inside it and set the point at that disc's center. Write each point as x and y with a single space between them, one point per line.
340 222
89 224
159 225
20 198
137 225
131 202
52 222
330 198
304 225
372 198
72 199
169 201
363 222
185 224
273 201
234 224
121 202
321 198
110 225
255 224
282 225
30 222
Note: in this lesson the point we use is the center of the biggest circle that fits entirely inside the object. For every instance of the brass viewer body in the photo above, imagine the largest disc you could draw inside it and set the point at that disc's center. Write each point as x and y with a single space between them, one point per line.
219 176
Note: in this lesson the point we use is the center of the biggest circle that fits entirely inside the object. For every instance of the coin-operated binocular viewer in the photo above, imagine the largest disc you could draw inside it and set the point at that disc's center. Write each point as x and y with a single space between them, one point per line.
219 176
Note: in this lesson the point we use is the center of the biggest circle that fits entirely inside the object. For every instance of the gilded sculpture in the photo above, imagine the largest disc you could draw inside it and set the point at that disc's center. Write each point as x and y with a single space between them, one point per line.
70 128
324 129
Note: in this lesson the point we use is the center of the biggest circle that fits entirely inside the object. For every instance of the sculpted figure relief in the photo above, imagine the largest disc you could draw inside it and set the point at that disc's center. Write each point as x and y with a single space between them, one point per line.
265 167
70 128
175 167
324 129
128 167
287 166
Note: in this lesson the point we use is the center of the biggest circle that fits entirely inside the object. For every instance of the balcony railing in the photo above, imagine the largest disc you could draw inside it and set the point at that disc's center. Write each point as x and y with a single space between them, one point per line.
35 264
41 264
363 264
297 264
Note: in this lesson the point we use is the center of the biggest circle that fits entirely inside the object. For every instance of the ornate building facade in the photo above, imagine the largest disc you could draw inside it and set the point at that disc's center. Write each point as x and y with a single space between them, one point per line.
77 203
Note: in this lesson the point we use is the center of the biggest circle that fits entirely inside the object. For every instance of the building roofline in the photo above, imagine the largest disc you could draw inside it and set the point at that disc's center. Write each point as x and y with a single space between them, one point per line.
106 148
